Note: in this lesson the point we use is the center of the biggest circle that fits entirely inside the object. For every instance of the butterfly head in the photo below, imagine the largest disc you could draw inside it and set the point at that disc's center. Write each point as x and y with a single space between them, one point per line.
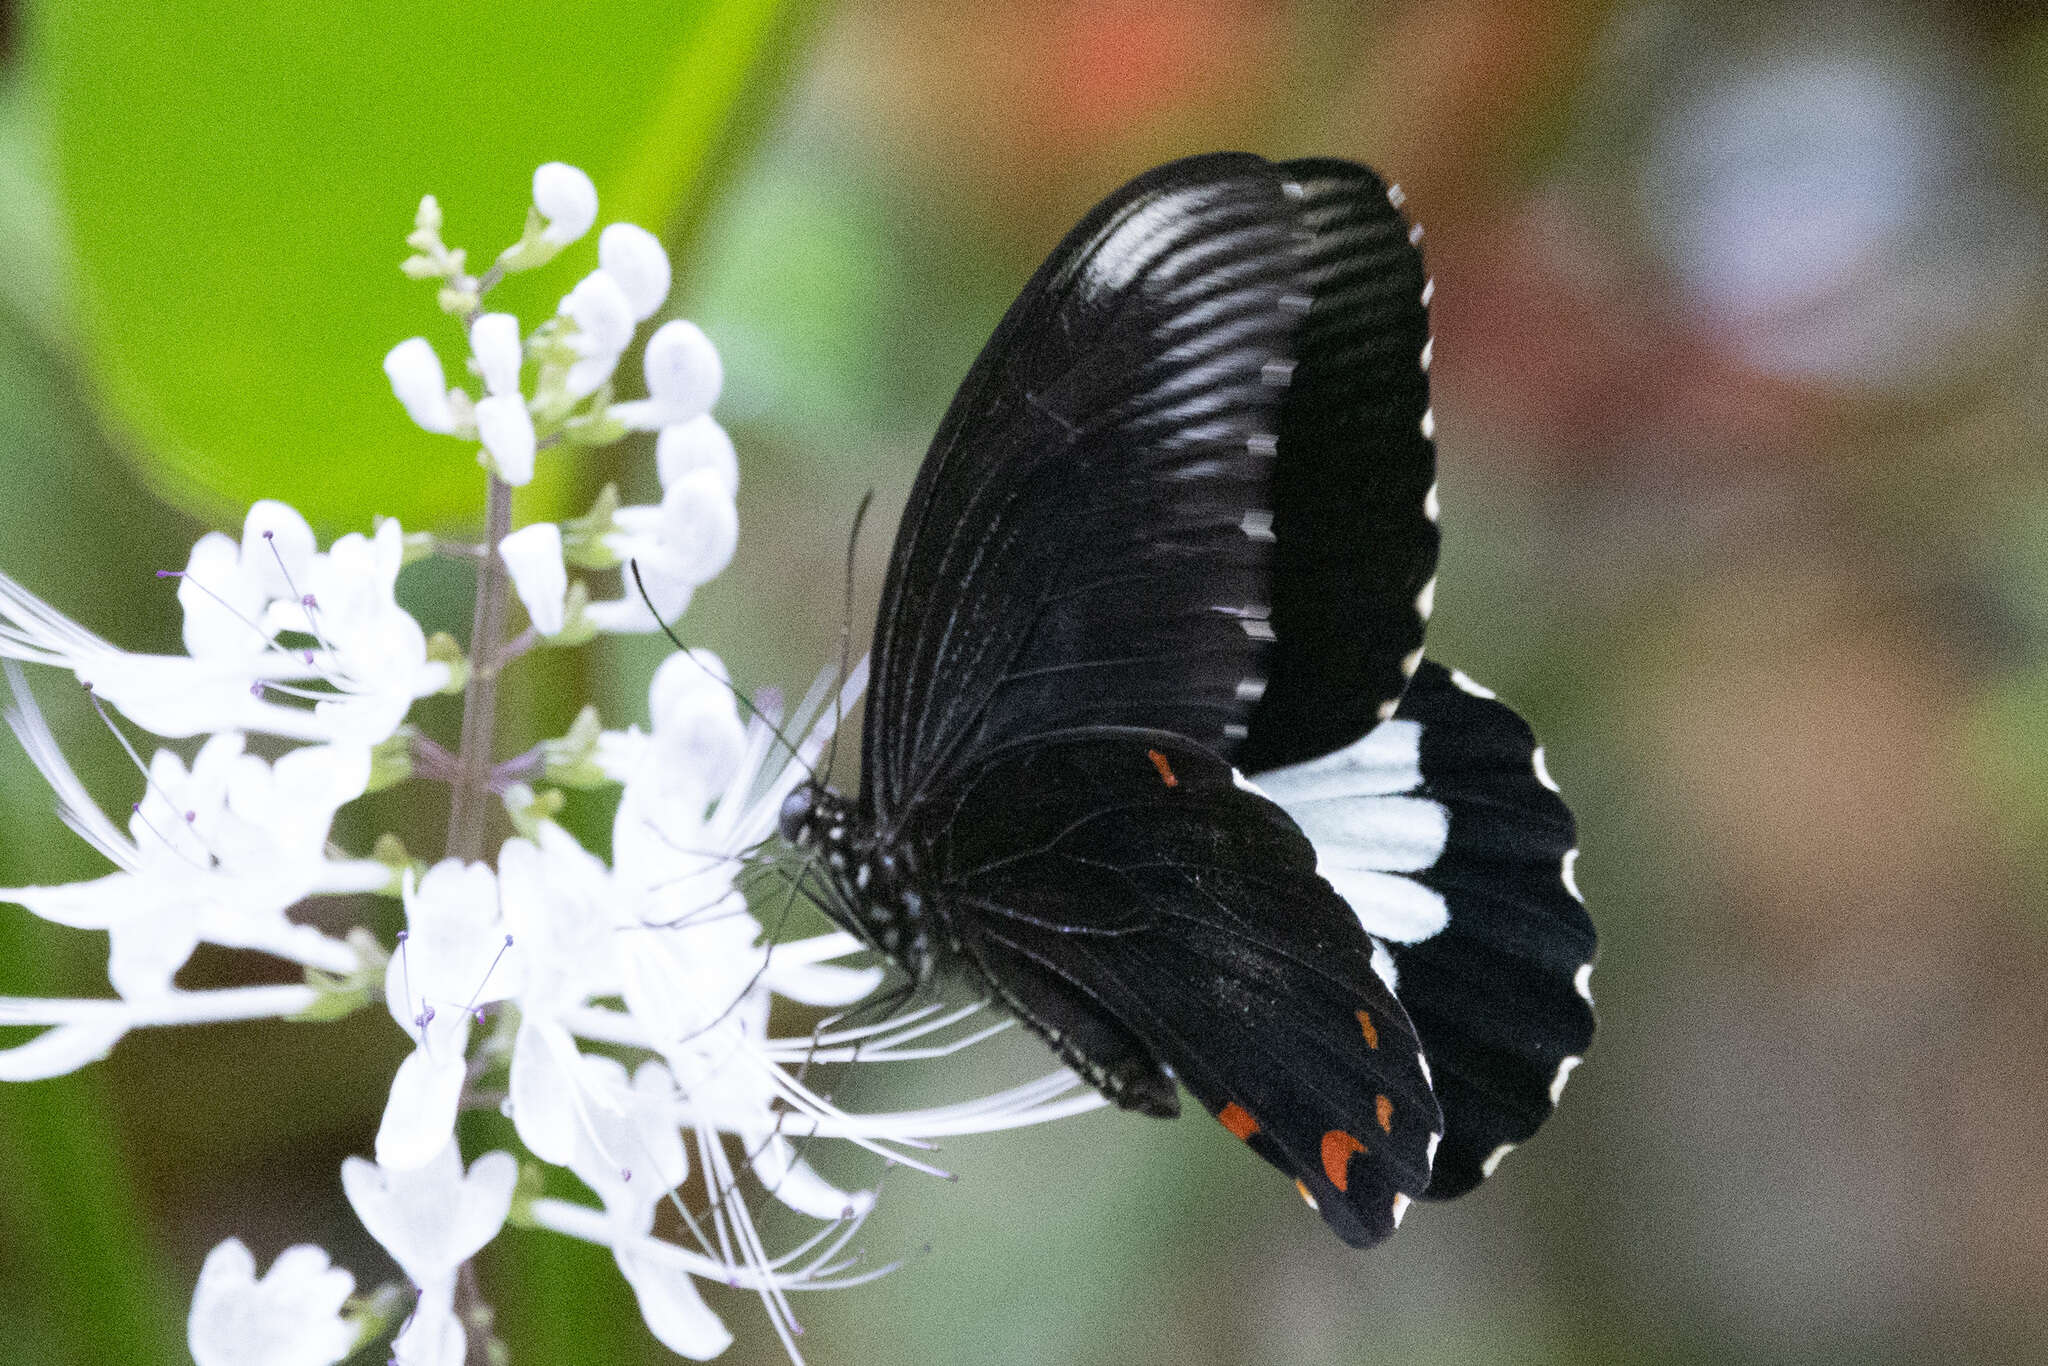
799 810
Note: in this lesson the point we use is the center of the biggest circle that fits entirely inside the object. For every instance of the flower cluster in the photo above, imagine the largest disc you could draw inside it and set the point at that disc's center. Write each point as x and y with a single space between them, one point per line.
616 1008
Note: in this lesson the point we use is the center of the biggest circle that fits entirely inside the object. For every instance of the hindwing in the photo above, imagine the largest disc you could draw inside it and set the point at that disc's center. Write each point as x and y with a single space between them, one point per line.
1156 919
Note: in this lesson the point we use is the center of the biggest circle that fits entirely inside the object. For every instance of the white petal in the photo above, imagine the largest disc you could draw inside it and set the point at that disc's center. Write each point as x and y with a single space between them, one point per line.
567 199
684 376
544 1091
633 256
494 338
419 1115
416 378
62 1049
604 326
533 556
675 1313
506 429
291 1317
628 614
700 527
278 549
699 444
433 1335
791 1180
684 682
434 1218
221 603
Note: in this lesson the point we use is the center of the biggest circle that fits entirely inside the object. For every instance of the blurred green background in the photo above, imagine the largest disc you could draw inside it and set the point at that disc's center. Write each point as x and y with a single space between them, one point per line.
1742 386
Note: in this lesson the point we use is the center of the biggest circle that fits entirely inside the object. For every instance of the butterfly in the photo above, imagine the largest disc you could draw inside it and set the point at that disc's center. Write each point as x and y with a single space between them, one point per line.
1153 755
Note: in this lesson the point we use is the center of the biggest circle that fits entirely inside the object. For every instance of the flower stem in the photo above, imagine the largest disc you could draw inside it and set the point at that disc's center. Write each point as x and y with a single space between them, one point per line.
470 808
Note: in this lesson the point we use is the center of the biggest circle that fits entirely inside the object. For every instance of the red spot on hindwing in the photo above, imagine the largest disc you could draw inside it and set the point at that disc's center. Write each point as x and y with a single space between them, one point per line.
1238 1120
1338 1148
1372 1036
1165 769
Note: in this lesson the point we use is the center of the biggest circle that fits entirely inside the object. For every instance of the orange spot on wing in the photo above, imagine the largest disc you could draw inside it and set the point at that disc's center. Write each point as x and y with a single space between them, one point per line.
1338 1147
1372 1036
1238 1120
1165 769
1384 1108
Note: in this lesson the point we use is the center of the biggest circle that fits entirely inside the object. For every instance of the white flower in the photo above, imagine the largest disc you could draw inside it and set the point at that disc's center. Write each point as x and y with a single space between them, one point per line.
494 339
290 1317
432 1218
566 199
633 256
417 379
604 328
454 958
631 1154
533 557
215 854
684 376
506 429
366 654
682 543
699 444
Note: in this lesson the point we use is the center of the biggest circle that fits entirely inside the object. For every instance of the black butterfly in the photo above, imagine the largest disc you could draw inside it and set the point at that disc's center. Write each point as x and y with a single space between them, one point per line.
1179 526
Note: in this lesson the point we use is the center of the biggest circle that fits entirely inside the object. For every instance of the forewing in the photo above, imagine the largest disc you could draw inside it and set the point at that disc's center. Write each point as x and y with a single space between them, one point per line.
1443 831
1171 906
1183 486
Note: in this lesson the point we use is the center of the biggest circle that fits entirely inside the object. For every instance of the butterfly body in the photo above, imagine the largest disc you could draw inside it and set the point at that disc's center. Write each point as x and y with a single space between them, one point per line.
1152 753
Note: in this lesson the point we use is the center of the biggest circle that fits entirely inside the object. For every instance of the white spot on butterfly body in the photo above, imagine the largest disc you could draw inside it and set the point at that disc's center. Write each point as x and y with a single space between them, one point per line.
1396 195
1234 731
1423 1063
1492 1162
1293 190
1388 708
1401 1204
1429 424
1415 235
1258 524
1250 689
1428 350
1432 507
1361 811
1262 443
1411 662
1258 628
1247 784
1429 1153
1277 373
1383 965
1571 877
1542 770
1564 1071
1428 291
1465 684
1582 982
1425 601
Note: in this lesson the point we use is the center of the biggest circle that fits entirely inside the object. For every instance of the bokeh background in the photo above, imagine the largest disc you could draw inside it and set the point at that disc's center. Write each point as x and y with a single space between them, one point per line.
1742 387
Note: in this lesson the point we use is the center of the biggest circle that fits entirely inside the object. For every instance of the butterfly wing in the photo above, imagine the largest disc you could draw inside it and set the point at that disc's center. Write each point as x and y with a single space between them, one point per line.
1183 487
1154 919
1444 833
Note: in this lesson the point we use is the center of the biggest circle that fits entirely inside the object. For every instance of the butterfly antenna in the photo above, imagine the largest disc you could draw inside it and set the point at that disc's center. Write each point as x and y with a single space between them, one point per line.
860 515
633 567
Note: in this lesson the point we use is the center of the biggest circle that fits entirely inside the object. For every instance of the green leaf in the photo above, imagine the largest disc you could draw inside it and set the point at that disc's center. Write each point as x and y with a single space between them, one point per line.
237 181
